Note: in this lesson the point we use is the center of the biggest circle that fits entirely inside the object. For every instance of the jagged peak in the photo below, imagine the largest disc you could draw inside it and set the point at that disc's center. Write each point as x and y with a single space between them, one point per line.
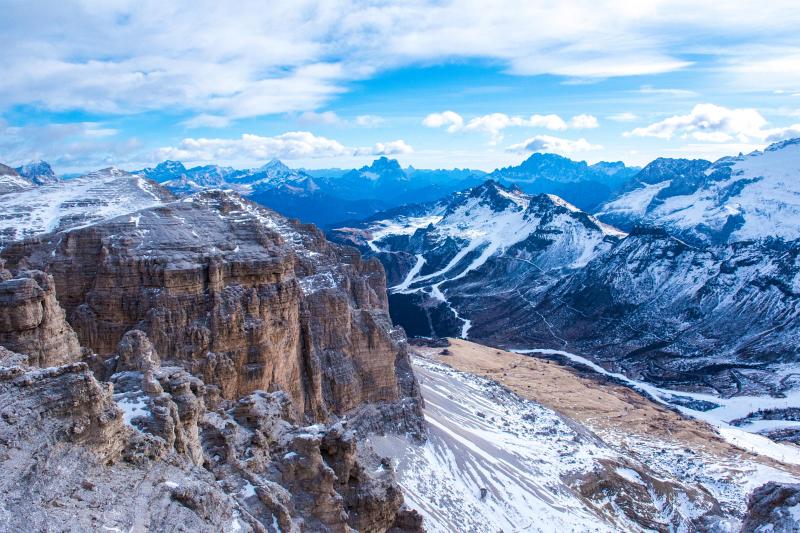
276 164
383 164
661 162
170 165
780 145
38 172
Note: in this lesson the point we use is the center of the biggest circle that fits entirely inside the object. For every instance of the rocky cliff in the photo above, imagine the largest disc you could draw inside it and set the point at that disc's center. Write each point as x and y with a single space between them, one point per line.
201 339
32 321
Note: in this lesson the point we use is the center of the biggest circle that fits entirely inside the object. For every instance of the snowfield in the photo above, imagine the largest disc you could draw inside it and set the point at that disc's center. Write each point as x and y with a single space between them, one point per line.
487 222
497 462
69 204
759 197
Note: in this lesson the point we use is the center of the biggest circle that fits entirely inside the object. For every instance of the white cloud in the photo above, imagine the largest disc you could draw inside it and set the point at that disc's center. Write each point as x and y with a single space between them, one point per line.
290 145
678 93
767 67
206 121
493 124
584 122
397 147
452 120
549 122
780 134
717 124
626 116
548 143
326 117
68 147
369 121
294 56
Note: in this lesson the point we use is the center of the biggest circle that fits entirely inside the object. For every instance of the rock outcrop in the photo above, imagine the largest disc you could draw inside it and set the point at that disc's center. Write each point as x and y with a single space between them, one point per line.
32 321
234 294
80 444
224 365
773 507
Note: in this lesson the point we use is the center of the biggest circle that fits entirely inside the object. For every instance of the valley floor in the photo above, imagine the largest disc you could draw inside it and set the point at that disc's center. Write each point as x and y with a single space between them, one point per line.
524 444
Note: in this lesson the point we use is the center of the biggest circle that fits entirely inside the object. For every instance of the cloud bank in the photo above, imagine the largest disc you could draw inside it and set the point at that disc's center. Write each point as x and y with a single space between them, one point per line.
289 146
717 124
201 56
550 144
493 124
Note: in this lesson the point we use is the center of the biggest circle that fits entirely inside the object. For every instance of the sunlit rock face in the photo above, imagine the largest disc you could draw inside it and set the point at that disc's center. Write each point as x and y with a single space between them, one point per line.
226 362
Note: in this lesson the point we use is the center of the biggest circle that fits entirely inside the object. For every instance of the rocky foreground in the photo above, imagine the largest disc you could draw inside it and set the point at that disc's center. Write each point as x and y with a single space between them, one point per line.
200 365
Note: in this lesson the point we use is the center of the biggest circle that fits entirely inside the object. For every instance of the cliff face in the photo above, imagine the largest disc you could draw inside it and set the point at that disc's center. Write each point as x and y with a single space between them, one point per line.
235 294
32 321
189 346
143 453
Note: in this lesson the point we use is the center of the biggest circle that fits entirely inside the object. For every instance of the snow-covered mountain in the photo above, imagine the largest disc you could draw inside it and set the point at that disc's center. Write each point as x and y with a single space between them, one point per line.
383 177
435 255
38 172
97 196
247 182
322 196
11 181
583 185
518 270
718 318
753 196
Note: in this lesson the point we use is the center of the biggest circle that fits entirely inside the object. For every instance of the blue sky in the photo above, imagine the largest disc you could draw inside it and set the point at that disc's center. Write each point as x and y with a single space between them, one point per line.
330 83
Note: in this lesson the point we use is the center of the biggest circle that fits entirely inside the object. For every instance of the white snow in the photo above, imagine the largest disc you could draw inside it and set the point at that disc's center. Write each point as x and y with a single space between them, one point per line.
483 230
527 458
248 490
635 202
400 226
14 181
630 474
411 274
317 282
769 199
517 451
132 406
75 203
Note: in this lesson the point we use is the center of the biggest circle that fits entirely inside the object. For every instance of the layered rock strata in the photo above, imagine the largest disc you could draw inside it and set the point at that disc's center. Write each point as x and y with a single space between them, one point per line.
212 366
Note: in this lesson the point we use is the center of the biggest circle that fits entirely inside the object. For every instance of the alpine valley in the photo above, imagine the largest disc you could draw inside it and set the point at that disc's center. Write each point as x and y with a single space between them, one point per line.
553 346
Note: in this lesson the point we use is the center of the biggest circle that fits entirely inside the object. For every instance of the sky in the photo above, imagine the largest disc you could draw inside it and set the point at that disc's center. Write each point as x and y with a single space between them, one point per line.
434 84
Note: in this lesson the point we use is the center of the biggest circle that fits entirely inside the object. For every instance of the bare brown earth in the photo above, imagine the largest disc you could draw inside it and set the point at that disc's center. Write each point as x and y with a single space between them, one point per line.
591 400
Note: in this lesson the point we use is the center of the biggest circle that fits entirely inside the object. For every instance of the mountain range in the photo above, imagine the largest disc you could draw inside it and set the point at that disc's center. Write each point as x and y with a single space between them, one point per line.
690 278
246 373
585 186
330 196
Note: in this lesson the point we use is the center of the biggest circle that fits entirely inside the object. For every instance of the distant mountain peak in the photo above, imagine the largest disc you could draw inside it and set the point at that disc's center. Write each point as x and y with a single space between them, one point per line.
170 165
38 172
780 145
276 165
108 172
383 164
382 169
